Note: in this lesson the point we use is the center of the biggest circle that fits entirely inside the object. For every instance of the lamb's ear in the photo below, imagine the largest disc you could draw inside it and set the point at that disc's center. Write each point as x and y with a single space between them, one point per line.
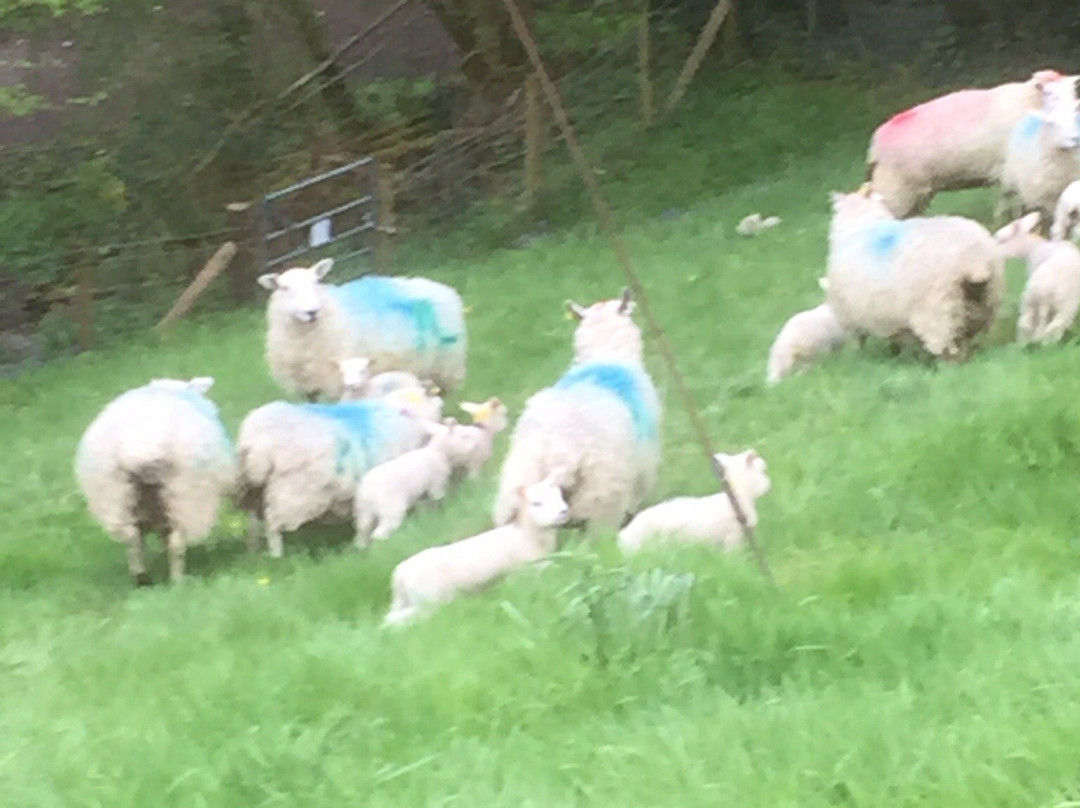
1030 221
322 267
751 457
469 407
201 384
626 304
494 402
574 310
269 281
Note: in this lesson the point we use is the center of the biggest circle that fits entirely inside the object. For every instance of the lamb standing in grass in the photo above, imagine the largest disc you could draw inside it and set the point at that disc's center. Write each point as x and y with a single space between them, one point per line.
950 143
302 462
1051 298
600 423
704 520
806 336
1067 213
358 383
940 279
390 489
439 574
410 324
489 419
157 459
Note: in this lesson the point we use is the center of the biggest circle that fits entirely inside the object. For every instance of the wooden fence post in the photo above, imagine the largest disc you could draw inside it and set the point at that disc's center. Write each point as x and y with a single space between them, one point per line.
84 302
697 55
645 83
534 140
385 227
730 31
244 235
214 267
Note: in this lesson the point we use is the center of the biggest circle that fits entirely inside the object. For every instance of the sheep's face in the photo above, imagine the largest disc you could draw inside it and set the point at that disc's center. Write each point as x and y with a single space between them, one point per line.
199 384
606 330
1060 113
296 290
544 502
747 470
1015 239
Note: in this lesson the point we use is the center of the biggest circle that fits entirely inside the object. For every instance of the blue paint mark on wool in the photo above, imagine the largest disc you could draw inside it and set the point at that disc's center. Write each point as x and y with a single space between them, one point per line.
627 383
396 306
1028 128
356 430
883 238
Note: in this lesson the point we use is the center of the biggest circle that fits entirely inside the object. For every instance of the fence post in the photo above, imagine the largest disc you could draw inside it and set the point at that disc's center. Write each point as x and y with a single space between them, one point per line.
645 84
244 235
730 31
534 140
384 212
84 302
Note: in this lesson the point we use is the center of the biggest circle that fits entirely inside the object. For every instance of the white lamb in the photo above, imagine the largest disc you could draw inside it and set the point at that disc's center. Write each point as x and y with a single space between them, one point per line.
704 520
358 383
939 279
806 336
410 324
437 575
1051 298
1067 213
302 462
949 143
600 423
157 459
489 419
1043 154
390 489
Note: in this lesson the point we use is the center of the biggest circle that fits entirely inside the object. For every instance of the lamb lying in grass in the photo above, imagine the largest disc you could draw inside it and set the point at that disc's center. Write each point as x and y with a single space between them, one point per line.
806 336
440 574
704 520
1051 298
489 419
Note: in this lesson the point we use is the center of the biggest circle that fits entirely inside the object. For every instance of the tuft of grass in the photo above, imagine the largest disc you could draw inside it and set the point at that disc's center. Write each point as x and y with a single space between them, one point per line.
921 650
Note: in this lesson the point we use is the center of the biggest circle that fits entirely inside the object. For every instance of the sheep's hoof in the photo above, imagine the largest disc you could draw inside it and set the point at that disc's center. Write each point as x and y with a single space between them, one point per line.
143 579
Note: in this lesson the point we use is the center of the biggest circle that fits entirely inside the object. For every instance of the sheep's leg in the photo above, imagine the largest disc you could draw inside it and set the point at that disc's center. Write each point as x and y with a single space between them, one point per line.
363 524
177 551
274 541
136 553
389 521
253 530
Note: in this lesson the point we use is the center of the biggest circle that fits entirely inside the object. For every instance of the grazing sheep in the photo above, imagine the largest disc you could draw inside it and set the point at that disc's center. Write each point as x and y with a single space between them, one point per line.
600 422
489 419
704 520
1043 153
938 279
803 338
439 574
1051 297
302 462
1067 213
157 459
390 489
358 383
949 143
754 223
411 324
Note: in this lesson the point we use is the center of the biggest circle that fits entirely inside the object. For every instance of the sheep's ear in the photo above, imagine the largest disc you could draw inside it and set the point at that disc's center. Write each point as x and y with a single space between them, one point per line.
864 190
201 384
322 267
470 408
626 304
269 281
1031 221
751 456
574 310
494 402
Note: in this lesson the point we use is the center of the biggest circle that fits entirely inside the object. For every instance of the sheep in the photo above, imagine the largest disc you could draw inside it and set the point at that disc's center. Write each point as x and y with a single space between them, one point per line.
704 520
804 337
157 459
390 489
600 421
937 279
489 419
1067 213
409 324
1043 153
358 383
754 223
1051 297
437 575
949 143
302 462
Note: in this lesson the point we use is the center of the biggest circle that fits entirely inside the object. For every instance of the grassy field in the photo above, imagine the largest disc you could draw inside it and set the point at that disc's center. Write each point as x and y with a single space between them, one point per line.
921 651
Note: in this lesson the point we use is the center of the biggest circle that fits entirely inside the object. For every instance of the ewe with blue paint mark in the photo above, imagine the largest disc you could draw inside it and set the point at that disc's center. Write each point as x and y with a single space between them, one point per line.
406 324
628 383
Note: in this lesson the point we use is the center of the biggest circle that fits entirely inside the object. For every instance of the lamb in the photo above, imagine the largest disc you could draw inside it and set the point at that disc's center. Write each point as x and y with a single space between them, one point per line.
358 383
390 489
949 143
1067 214
302 462
1051 298
409 324
1043 153
938 279
439 574
157 459
600 422
704 520
489 419
807 335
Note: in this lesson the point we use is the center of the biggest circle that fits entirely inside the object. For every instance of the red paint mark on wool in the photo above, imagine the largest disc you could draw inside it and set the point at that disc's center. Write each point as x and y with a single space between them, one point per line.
935 119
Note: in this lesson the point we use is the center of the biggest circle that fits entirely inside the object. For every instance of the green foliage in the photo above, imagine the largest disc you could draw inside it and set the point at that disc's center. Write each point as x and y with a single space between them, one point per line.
17 101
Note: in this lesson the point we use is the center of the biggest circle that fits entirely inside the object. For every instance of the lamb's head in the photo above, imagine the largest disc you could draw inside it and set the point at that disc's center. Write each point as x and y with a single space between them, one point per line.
355 372
491 415
415 402
449 437
199 385
543 504
1017 239
747 472
1059 113
296 290
606 330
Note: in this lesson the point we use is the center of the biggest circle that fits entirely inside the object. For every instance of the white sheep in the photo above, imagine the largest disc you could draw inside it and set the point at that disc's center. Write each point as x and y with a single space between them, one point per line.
357 382
1043 153
302 462
939 279
704 520
157 459
1051 297
489 419
804 337
600 422
410 324
437 575
390 489
1067 213
754 223
949 143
